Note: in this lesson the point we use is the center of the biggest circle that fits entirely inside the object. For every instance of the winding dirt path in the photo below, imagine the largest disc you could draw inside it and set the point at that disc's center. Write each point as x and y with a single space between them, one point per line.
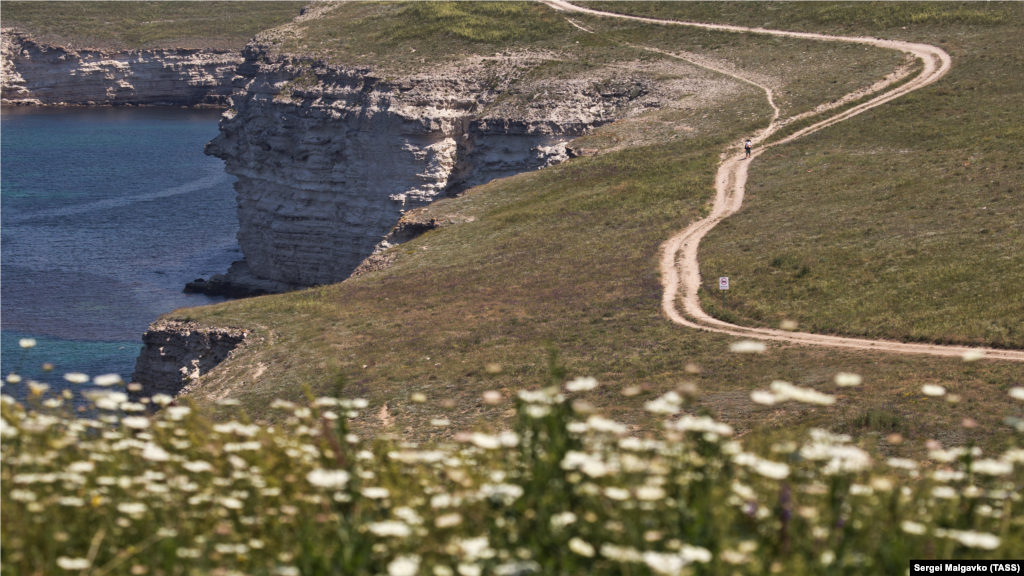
680 271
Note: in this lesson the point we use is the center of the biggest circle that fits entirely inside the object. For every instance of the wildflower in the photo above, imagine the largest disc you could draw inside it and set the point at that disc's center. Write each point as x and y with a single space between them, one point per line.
106 380
154 453
72 563
581 547
442 570
81 467
701 424
439 422
786 391
232 503
136 422
789 325
23 495
581 384
517 568
992 467
234 427
562 519
13 378
448 520
27 342
649 493
763 397
133 509
418 398
933 390
970 538
408 565
469 570
847 379
664 563
408 515
375 493
197 466
328 479
668 403
390 528
493 397
543 396
228 402
507 493
485 441
473 548
535 411
766 468
37 388
747 347
882 484
601 424
616 493
827 557
620 553
944 492
841 458
163 400
1017 392
973 355
911 527
76 377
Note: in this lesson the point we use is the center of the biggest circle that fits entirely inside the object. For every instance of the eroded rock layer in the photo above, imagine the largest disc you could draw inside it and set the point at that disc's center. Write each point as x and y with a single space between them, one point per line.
175 354
328 158
41 75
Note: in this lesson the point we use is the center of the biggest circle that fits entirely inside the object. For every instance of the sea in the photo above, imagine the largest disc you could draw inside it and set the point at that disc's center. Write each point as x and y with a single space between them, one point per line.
105 214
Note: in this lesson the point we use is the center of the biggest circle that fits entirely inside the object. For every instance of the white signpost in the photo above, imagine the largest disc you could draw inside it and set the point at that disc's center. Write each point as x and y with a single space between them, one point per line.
723 285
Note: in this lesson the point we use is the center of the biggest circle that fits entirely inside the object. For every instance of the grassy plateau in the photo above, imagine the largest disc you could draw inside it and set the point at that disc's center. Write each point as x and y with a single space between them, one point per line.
147 25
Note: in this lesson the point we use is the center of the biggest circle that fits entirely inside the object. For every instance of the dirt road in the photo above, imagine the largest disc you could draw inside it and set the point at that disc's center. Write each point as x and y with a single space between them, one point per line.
680 271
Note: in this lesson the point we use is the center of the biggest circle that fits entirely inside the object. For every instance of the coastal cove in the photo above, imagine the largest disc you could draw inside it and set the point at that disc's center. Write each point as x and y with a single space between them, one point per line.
107 213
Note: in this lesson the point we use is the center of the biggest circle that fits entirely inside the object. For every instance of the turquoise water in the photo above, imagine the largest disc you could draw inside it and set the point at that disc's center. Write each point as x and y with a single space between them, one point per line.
105 214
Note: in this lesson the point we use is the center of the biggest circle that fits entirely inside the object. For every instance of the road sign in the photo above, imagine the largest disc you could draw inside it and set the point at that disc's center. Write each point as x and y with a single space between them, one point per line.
723 283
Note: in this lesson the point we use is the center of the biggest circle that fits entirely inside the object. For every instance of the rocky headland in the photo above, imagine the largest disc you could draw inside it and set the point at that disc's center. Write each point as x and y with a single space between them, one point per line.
328 158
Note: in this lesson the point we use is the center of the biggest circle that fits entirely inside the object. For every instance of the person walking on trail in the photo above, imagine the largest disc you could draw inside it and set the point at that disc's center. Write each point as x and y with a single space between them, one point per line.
746 147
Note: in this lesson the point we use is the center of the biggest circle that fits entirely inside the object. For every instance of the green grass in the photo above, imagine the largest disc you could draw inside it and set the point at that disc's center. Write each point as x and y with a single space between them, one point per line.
400 36
901 223
147 25
831 17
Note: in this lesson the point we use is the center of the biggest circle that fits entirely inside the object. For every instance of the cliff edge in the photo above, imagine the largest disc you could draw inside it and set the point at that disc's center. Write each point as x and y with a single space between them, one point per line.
36 74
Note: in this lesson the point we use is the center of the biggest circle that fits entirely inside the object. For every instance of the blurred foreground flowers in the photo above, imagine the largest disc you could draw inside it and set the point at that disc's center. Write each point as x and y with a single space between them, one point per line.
564 492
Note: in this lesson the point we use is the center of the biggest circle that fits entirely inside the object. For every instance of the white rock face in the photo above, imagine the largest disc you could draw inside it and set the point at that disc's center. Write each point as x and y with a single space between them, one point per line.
328 158
40 75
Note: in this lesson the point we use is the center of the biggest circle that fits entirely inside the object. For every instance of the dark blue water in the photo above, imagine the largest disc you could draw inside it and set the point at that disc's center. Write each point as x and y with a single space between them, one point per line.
105 215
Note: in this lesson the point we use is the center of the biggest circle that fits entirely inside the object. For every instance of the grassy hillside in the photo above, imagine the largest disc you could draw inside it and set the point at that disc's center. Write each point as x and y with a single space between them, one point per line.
902 223
568 255
121 25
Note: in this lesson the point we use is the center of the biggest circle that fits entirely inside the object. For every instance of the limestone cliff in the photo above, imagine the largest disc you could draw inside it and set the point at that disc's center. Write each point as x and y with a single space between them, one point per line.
329 157
42 75
176 353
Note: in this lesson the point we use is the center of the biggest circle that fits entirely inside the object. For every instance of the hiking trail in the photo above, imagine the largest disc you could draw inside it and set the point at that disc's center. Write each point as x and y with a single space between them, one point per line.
680 270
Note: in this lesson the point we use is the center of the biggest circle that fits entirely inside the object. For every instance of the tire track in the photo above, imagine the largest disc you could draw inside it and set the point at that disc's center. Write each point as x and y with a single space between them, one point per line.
680 270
